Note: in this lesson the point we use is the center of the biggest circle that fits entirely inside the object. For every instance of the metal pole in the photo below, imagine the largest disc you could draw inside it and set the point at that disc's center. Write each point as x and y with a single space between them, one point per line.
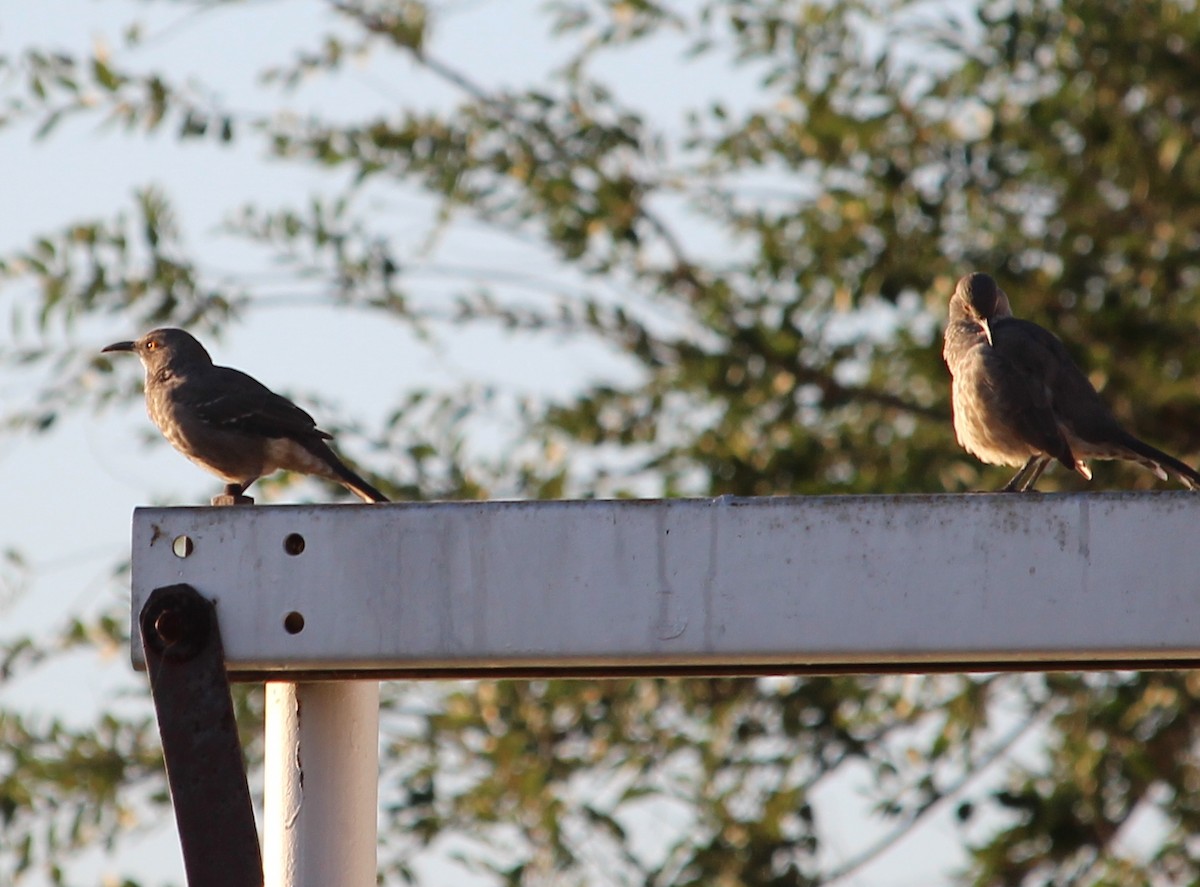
321 784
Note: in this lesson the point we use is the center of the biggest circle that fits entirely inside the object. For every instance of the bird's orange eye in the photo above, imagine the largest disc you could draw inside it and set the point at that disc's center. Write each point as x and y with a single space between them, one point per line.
151 345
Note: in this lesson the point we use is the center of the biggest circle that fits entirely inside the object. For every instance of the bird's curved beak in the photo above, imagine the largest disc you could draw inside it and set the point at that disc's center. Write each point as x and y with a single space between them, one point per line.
119 346
987 332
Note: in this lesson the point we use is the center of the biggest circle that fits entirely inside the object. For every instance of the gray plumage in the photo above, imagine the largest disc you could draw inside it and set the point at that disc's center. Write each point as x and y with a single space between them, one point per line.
1019 399
228 422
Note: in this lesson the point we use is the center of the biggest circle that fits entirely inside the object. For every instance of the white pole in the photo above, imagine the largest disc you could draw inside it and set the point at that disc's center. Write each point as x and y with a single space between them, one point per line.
321 784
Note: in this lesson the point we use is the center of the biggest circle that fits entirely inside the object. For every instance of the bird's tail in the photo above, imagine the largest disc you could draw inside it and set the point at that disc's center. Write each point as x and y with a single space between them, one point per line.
1161 463
359 487
343 474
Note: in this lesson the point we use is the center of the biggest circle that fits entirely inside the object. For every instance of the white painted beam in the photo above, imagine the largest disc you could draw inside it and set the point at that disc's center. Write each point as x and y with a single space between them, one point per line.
862 583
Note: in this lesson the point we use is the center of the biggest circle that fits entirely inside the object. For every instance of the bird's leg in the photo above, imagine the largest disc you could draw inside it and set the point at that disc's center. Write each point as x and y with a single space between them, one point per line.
1015 484
1019 484
1043 461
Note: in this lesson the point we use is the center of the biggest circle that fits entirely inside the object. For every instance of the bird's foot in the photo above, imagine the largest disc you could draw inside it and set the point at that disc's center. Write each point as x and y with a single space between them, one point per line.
233 496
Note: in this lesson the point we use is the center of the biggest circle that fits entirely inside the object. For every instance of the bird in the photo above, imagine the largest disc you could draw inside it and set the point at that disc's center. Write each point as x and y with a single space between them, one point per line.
229 423
1019 399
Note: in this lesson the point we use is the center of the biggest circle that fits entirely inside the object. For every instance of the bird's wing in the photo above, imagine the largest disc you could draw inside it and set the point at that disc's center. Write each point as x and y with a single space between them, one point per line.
1075 402
232 400
1034 376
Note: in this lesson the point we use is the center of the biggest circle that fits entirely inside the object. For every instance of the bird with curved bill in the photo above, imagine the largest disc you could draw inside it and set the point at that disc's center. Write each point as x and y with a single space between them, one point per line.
229 423
1019 399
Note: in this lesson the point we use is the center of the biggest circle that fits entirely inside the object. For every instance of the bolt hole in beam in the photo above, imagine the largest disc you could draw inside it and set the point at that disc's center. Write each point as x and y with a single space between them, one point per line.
182 546
293 544
293 622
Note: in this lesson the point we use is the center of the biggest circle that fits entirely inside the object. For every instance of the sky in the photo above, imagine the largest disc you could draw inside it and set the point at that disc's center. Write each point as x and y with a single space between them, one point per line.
71 493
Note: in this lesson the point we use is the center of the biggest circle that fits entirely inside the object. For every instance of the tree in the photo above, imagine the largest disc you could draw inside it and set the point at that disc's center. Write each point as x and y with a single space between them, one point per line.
773 271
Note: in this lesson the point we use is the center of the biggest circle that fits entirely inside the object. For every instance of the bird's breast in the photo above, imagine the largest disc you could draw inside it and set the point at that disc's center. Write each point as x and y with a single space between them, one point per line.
232 456
982 420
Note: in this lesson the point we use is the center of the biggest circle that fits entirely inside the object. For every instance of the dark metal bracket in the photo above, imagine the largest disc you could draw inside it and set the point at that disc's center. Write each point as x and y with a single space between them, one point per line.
203 755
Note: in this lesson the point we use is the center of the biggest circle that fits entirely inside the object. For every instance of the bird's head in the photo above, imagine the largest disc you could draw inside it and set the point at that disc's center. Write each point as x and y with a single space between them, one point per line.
166 348
977 297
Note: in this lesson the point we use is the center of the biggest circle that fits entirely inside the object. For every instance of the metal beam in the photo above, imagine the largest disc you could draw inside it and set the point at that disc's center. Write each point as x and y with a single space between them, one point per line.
858 583
200 746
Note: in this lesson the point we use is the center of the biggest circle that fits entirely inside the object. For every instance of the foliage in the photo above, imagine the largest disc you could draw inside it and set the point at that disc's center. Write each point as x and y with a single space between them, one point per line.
886 148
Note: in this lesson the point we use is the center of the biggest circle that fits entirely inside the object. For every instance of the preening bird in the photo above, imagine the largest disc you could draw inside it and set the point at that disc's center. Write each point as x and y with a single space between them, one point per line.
228 422
1019 399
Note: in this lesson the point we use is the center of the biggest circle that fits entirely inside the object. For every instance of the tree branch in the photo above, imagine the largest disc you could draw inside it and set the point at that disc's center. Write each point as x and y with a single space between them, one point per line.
874 851
683 269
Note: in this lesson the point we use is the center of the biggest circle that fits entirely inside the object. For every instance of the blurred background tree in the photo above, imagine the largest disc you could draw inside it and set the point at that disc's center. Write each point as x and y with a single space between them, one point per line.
769 275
